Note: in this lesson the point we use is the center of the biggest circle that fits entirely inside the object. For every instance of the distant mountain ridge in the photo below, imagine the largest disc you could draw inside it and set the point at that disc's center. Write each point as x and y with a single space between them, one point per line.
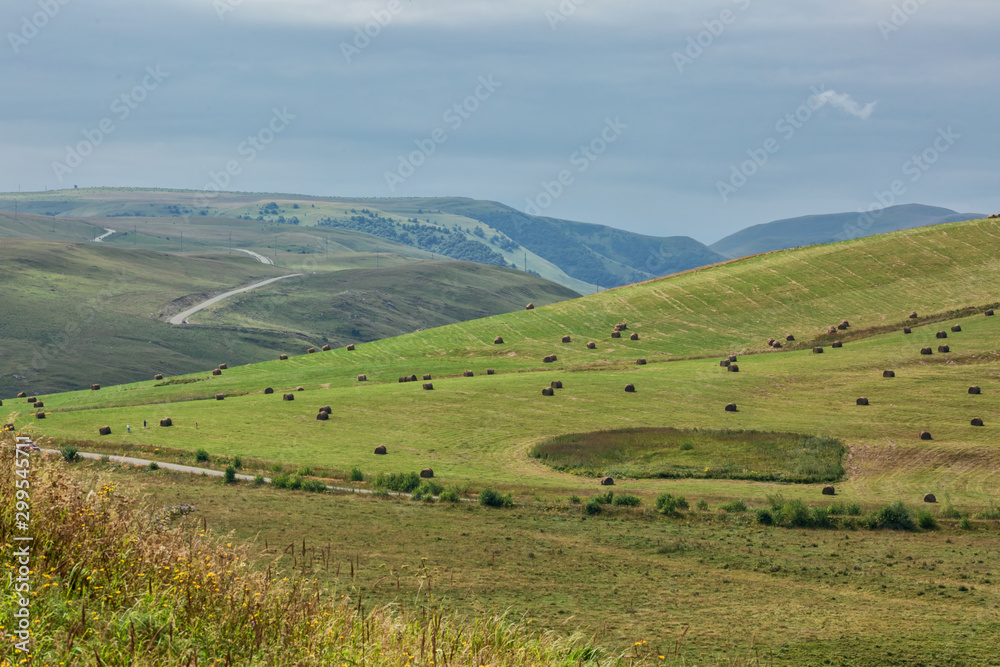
828 228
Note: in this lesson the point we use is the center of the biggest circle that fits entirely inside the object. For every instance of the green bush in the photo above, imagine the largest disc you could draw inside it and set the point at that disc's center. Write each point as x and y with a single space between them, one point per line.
201 455
313 485
357 475
626 500
290 481
669 504
238 462
605 498
492 498
153 465
306 471
230 475
820 517
853 509
926 520
794 514
964 523
401 482
259 479
277 467
427 490
687 446
575 499
836 509
763 516
69 453
776 501
593 506
949 511
894 517
450 495
702 505
734 506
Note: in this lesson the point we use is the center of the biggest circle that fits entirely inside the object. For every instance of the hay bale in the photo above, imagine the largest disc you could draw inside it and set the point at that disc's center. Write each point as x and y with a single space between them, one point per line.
607 481
630 388
403 378
616 334
567 339
829 491
490 371
157 377
300 389
975 390
929 498
548 391
831 330
634 336
350 348
777 345
39 404
557 384
989 313
380 450
362 378
530 306
22 395
325 348
843 325
640 362
907 330
429 386
327 409
862 401
733 368
732 358
412 378
789 338
269 390
427 473
838 344
322 416
95 387
551 359
1 404
926 350
104 430
731 407
977 422
224 366
955 329
924 435
220 397
771 342
944 349
311 350
942 334
32 399
591 345
725 362
498 341
469 374
888 374
167 421
621 326
427 376
283 357
288 397
913 315
216 371
817 350
39 415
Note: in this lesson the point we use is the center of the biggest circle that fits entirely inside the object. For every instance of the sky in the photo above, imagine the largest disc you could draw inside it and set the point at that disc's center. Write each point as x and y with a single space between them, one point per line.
664 117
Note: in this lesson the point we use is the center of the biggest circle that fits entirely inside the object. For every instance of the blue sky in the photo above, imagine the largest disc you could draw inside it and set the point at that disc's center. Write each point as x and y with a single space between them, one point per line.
662 117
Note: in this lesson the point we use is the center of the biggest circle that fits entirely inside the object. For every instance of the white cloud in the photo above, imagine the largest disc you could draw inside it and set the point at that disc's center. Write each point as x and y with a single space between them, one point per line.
842 101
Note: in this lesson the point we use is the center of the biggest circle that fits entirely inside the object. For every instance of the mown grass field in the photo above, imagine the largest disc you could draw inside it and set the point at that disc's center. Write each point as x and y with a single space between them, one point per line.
807 595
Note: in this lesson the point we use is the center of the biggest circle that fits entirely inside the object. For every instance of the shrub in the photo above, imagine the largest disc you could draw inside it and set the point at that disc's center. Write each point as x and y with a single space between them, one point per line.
702 505
734 506
259 479
201 455
450 495
238 462
153 465
949 511
593 506
776 501
895 517
669 504
964 523
575 499
492 498
427 490
926 520
763 516
626 500
820 517
290 481
836 509
401 482
853 509
277 467
687 446
306 471
794 514
604 498
357 475
229 477
69 453
313 485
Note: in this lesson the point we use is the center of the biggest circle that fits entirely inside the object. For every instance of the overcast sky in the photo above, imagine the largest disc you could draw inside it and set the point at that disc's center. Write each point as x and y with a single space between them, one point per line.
666 117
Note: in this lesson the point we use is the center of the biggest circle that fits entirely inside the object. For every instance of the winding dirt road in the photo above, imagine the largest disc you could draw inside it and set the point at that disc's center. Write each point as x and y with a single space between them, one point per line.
179 318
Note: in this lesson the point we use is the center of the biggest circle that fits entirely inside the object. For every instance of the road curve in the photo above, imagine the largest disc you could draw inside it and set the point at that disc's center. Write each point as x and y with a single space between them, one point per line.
107 232
179 319
259 257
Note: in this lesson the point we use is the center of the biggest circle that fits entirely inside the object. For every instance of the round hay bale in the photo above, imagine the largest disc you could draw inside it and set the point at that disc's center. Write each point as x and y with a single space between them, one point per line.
551 359
548 391
607 481
789 338
362 378
929 498
975 390
469 374
913 315
942 334
977 422
350 348
616 334
777 345
427 473
988 313
733 368
634 336
725 362
283 357
817 350
269 390
300 389
157 377
630 388
640 362
1 404
926 350
732 358
32 399
829 491
907 330
490 371
95 387
429 386
224 366
771 342
731 407
327 409
412 378
288 397
838 344
220 397
831 330
167 421
39 404
621 326
924 435
591 345
944 349
325 348
380 450
844 325
216 371
427 376
567 339
530 306
556 384
498 341
104 430
888 374
311 350
22 395
862 401
957 328
322 416
39 415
